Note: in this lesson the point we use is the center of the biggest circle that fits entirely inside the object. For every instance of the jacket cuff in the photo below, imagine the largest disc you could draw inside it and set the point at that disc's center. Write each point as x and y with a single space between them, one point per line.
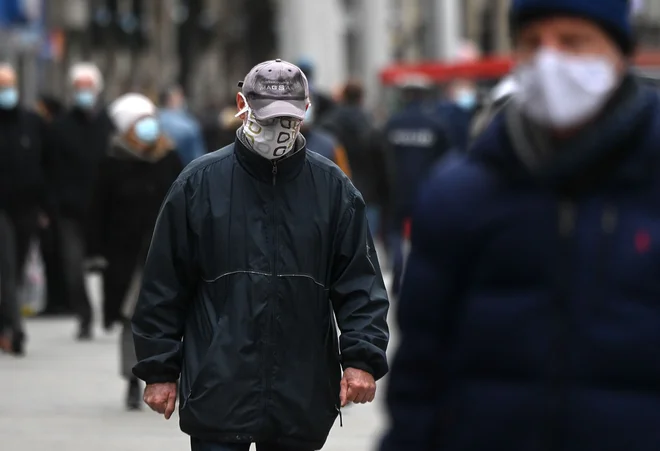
358 366
161 379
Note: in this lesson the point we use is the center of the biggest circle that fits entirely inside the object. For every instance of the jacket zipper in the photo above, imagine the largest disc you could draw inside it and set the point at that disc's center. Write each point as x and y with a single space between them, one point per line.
608 224
269 357
567 218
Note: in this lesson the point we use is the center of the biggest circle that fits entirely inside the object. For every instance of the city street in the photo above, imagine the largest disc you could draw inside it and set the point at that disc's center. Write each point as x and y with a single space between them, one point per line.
68 396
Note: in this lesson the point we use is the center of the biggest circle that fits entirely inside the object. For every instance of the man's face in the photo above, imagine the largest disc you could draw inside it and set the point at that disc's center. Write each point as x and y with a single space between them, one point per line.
7 78
84 84
569 35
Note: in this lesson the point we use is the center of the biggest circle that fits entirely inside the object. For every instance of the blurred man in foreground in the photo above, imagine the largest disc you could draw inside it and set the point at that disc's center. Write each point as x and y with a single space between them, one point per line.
78 141
22 201
529 311
256 248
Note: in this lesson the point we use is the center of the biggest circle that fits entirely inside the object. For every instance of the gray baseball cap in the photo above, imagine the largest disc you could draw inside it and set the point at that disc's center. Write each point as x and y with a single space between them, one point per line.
276 89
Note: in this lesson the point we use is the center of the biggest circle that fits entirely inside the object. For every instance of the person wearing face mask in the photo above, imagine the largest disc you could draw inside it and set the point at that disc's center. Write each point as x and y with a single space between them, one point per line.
457 113
529 316
134 177
417 140
79 139
23 199
257 248
182 126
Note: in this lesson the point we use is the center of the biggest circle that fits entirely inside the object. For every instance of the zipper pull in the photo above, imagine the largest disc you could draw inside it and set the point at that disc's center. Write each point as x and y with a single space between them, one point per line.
274 173
609 219
566 218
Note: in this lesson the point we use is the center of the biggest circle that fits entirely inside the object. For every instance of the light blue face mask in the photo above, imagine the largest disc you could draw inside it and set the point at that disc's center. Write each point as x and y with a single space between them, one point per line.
147 130
309 115
8 98
467 100
85 99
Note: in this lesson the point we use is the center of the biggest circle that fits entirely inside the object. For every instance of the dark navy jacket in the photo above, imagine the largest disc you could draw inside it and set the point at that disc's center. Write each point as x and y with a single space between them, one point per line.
457 121
418 141
530 310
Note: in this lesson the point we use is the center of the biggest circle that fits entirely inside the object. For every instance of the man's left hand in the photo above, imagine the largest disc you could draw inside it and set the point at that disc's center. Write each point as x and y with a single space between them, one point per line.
357 386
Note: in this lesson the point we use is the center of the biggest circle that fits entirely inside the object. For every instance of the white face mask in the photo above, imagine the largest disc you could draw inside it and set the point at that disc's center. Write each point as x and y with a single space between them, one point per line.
560 91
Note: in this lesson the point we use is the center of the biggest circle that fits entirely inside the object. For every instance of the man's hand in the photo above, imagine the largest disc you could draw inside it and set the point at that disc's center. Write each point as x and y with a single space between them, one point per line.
161 398
43 220
357 386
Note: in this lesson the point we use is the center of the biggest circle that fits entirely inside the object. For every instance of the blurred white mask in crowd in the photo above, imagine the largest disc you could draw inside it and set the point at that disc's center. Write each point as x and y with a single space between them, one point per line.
272 138
560 91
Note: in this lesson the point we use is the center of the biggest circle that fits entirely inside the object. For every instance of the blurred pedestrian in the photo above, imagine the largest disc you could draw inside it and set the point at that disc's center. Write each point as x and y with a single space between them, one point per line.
321 103
180 125
529 313
458 112
418 140
23 200
324 143
134 178
255 249
49 108
79 140
371 165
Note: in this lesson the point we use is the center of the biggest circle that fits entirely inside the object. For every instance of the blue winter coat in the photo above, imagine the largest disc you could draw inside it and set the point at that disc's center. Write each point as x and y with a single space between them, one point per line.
530 310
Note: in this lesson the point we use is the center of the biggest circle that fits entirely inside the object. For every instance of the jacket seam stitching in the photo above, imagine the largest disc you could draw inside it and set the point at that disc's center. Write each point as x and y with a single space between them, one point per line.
260 273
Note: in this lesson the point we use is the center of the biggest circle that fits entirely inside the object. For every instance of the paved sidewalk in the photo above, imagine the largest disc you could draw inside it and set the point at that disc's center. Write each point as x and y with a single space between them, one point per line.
68 396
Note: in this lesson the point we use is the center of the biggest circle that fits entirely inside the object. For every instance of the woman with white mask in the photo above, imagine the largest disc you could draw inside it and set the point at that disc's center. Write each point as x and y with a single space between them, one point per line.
529 312
134 176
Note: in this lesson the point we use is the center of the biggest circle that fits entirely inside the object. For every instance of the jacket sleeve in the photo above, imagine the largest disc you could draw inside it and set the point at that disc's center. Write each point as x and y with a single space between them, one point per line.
359 296
167 288
430 289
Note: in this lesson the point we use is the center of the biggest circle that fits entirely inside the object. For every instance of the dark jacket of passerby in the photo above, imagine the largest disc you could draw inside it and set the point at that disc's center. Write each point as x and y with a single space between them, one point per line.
457 122
78 141
244 266
23 161
366 151
129 191
529 310
326 145
417 140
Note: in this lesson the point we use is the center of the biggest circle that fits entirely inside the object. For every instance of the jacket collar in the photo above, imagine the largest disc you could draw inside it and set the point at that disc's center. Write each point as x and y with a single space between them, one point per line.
270 171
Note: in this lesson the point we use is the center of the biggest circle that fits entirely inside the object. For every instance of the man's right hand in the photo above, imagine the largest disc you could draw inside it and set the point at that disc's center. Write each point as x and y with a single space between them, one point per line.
161 398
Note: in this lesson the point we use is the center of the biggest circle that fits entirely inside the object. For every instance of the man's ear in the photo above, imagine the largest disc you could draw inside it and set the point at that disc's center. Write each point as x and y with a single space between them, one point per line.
242 106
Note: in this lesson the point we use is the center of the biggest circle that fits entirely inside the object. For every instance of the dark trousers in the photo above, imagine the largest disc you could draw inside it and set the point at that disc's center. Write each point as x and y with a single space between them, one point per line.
72 252
16 233
56 298
116 280
199 445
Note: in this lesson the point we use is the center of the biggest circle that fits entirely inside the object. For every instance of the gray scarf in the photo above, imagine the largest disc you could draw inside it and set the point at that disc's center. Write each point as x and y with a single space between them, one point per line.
543 154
